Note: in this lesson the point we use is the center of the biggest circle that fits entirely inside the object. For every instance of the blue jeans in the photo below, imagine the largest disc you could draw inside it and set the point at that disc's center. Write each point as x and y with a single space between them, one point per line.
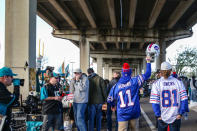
79 114
175 126
109 118
94 110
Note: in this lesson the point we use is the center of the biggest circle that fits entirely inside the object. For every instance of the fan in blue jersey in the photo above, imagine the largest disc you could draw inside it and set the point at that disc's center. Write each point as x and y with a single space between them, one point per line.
169 100
125 93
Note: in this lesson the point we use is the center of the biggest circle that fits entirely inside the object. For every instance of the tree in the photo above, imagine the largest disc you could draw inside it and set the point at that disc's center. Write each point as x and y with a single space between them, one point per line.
186 61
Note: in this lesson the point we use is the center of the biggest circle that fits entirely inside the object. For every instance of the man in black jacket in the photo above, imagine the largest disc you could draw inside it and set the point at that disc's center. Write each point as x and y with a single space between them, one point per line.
97 97
7 98
115 79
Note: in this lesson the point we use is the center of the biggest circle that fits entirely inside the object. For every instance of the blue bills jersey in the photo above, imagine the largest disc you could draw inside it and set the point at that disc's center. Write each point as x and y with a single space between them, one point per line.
127 96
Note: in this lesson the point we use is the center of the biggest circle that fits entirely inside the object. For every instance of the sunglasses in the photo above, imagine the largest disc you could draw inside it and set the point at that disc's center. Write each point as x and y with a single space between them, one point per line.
10 76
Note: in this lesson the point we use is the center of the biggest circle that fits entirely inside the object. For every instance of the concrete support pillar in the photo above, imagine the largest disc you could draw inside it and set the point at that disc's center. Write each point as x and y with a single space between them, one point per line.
20 40
141 66
134 72
84 54
110 73
106 71
144 66
100 66
138 69
162 56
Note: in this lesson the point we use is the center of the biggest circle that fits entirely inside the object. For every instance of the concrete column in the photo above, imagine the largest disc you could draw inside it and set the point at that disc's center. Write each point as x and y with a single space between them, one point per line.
110 73
162 56
100 66
144 66
84 54
134 72
138 69
141 66
20 40
106 71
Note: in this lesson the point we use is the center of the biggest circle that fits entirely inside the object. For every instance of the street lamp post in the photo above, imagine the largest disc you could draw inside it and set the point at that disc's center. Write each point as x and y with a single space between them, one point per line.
72 62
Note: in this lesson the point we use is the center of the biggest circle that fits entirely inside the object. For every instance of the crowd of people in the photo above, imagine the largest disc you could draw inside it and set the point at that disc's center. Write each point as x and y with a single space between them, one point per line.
90 93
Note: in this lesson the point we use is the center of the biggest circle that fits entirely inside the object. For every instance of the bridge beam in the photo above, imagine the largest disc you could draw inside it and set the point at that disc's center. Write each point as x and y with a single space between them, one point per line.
63 13
87 12
155 12
104 45
117 45
48 17
192 20
132 10
141 45
112 14
179 11
92 47
116 35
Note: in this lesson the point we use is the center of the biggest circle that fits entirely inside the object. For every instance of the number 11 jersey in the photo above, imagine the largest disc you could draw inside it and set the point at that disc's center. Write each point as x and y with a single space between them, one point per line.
125 96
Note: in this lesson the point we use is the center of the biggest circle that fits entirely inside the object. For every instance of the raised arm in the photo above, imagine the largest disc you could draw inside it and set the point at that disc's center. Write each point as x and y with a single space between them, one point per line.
147 74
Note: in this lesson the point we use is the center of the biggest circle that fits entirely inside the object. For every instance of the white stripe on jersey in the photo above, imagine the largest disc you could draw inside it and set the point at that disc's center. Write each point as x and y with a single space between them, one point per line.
168 93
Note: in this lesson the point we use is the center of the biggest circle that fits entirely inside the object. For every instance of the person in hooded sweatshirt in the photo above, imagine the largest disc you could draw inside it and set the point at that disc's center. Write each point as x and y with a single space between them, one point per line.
125 95
79 87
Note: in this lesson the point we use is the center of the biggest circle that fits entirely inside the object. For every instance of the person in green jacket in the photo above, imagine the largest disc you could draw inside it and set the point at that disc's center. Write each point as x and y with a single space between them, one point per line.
97 97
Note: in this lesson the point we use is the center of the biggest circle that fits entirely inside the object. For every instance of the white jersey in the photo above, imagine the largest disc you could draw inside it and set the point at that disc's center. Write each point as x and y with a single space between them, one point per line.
168 93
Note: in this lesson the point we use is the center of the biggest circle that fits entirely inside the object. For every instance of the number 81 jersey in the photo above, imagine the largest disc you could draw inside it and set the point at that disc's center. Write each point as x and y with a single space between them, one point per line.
168 93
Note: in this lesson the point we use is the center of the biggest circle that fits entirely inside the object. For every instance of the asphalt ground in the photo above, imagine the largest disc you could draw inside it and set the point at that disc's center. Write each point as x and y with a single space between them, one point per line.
147 118
186 125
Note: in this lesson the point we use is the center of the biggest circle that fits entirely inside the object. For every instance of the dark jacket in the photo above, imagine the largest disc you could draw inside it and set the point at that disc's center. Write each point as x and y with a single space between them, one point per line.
5 98
97 89
112 83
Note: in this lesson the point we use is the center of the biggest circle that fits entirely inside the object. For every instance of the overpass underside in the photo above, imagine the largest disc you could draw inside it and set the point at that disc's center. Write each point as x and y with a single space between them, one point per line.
119 30
109 31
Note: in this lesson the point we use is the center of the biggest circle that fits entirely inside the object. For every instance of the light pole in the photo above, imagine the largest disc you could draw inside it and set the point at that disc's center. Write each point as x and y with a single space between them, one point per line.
72 62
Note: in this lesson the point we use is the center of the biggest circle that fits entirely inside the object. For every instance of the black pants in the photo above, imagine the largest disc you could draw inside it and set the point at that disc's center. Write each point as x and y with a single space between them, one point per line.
53 120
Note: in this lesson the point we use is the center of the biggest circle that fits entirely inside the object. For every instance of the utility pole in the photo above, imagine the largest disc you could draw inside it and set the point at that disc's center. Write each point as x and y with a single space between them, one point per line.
72 62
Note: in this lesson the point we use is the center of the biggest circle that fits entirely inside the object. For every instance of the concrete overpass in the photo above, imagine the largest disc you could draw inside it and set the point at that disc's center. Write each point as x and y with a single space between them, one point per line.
110 31
117 31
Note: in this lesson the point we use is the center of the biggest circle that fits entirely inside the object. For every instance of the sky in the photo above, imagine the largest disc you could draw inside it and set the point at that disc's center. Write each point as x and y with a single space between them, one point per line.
57 50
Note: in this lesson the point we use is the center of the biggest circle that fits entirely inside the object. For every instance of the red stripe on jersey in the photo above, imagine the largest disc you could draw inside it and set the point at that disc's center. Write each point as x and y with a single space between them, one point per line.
155 94
182 91
155 100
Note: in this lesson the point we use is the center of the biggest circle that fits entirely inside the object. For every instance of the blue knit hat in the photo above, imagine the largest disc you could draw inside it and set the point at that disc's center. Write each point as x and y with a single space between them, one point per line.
126 73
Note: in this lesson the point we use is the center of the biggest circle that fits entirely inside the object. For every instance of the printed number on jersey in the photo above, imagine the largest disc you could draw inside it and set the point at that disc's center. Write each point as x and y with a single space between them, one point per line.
128 95
169 98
